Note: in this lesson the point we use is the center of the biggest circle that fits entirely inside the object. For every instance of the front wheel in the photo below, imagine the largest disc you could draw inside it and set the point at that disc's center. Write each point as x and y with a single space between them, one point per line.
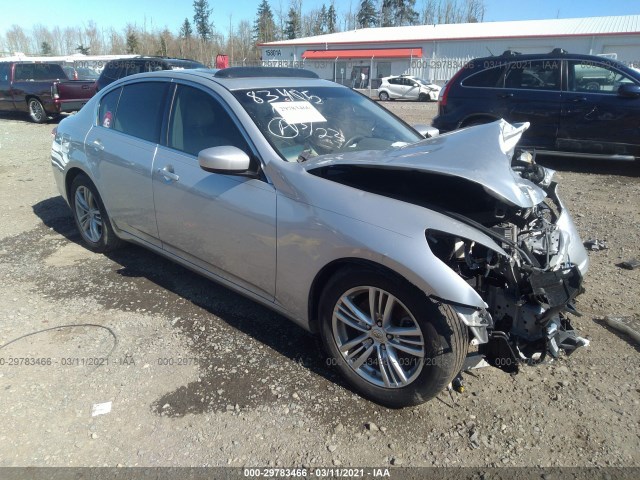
390 342
384 96
36 111
91 217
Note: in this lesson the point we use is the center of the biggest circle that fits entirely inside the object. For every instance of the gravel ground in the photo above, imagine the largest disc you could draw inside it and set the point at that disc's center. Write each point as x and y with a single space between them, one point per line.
199 376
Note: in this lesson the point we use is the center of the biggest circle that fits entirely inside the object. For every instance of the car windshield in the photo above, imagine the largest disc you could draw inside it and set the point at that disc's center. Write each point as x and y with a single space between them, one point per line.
305 122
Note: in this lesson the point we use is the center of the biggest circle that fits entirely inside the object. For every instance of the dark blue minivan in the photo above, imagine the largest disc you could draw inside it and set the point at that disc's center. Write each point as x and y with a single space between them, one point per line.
578 105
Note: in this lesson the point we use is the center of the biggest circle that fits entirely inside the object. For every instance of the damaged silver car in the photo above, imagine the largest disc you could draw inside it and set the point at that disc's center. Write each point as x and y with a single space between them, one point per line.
403 253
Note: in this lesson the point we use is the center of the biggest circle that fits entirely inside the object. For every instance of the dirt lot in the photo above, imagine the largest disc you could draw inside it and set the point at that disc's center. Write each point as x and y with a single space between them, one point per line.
199 376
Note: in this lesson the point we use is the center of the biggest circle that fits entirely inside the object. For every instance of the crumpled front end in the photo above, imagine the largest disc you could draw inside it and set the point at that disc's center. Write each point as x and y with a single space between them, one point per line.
530 291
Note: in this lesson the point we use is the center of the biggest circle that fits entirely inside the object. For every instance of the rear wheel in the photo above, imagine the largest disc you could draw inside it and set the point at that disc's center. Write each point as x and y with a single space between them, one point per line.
36 111
390 342
91 217
384 96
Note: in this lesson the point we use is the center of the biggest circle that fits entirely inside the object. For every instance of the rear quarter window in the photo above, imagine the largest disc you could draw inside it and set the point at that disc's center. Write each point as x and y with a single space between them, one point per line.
489 78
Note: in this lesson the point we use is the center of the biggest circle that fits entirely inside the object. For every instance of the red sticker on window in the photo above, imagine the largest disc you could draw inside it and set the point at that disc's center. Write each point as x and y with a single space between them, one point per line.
107 119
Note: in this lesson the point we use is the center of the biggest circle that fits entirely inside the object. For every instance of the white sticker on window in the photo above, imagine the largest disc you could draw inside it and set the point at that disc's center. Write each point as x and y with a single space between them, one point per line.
298 112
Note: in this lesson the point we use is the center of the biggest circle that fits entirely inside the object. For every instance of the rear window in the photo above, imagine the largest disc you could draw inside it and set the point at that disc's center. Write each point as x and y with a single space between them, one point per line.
39 71
489 78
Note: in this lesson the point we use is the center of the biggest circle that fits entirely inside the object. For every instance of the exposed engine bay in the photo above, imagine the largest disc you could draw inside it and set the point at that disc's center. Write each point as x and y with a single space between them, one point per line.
530 290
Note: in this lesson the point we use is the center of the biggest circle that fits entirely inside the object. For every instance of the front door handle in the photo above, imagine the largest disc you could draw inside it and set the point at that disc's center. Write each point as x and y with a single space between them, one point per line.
167 173
579 99
97 144
505 95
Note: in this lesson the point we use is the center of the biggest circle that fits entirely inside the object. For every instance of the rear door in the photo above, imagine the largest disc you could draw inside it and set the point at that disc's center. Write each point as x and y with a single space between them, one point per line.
122 145
532 93
595 118
224 224
397 87
6 99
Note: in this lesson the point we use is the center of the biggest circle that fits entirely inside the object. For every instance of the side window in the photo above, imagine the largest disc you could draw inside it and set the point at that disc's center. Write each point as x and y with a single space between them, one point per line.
107 110
5 68
112 69
393 81
135 67
533 75
140 110
591 77
199 121
488 78
24 71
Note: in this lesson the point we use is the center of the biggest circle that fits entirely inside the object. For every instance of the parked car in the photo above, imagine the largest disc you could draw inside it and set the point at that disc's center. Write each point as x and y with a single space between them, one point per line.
578 105
80 73
399 251
407 87
119 68
40 89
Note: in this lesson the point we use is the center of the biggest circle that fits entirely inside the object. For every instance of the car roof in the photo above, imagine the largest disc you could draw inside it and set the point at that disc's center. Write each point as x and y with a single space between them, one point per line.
204 76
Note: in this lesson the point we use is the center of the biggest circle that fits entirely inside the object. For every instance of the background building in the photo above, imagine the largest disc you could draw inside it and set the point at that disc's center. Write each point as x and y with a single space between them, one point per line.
436 52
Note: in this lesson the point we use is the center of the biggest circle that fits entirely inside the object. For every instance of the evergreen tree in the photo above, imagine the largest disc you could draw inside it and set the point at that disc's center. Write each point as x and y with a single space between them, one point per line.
293 28
264 27
396 13
322 21
132 42
332 19
367 16
201 19
45 48
186 30
82 49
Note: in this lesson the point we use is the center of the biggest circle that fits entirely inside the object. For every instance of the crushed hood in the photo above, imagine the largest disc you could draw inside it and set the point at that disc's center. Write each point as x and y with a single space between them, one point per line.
480 154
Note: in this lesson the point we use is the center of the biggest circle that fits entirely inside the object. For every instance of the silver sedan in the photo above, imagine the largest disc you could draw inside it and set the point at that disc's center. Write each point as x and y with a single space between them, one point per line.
400 251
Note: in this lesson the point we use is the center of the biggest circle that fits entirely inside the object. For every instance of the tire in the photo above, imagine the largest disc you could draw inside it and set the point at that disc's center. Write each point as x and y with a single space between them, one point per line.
91 217
427 342
37 113
384 96
423 97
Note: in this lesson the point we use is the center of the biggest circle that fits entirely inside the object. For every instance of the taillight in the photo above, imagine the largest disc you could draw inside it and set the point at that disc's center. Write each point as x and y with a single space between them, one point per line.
54 131
54 91
442 101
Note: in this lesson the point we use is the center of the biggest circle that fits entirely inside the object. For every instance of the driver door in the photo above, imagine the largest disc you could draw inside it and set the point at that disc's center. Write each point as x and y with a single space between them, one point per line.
224 224
595 117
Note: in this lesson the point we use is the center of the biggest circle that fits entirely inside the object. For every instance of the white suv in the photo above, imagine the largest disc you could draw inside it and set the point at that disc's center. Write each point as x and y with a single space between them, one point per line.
408 88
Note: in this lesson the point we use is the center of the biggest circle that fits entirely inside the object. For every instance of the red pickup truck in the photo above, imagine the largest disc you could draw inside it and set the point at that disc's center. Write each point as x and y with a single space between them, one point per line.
41 89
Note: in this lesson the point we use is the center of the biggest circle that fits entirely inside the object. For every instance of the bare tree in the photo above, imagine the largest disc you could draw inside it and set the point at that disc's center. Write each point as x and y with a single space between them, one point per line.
17 40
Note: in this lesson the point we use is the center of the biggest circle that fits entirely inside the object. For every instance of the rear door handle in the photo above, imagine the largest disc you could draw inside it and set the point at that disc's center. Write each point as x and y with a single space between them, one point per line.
579 99
505 95
167 172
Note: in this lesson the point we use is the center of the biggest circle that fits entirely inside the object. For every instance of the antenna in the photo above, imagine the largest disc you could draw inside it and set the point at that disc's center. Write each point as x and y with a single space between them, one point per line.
489 51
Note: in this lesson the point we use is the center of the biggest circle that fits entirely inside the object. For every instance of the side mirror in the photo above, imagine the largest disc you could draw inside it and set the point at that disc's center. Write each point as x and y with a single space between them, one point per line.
629 90
416 84
426 131
226 160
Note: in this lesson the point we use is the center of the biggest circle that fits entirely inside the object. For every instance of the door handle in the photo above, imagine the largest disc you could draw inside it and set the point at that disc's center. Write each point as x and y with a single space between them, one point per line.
167 173
579 99
97 144
505 95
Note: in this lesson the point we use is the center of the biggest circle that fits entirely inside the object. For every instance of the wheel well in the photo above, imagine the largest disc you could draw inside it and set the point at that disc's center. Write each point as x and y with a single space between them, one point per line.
476 120
323 277
29 97
71 175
